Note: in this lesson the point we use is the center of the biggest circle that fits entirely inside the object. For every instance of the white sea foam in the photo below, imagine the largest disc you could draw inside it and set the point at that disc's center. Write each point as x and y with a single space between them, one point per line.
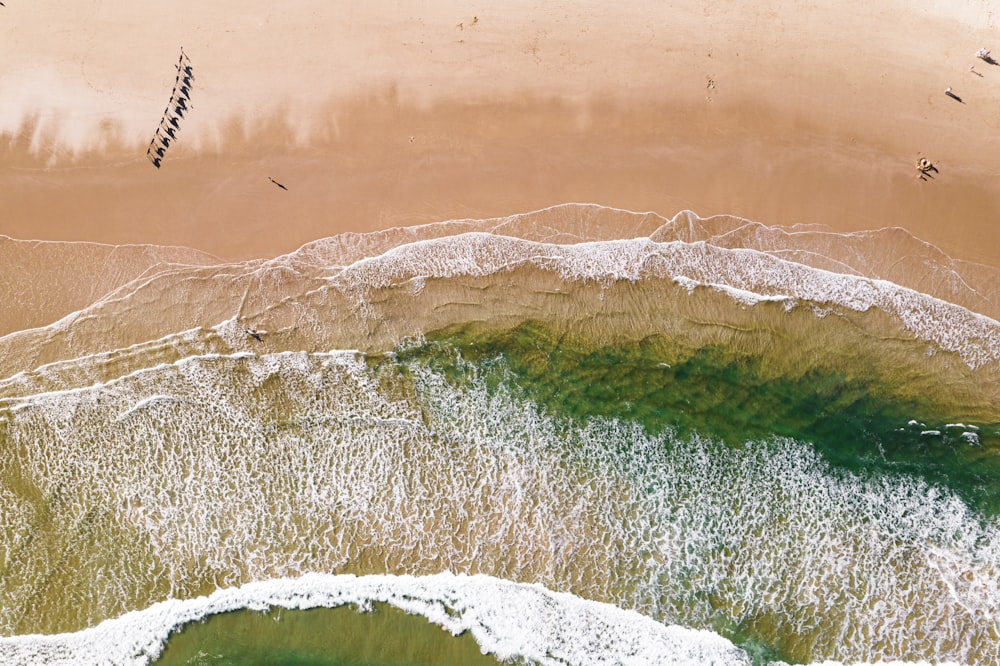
279 465
749 276
960 426
290 284
507 619
970 438
267 365
887 663
739 295
144 403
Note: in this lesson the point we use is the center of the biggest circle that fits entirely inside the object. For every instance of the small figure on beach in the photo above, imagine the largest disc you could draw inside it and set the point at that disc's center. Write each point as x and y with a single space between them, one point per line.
924 168
277 183
949 93
254 333
985 56
972 68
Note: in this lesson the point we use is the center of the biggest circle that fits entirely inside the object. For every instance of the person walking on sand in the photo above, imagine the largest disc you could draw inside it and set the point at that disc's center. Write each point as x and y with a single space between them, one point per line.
924 168
985 56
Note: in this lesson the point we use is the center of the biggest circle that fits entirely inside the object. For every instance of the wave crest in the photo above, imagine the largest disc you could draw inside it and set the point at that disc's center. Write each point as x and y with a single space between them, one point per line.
510 620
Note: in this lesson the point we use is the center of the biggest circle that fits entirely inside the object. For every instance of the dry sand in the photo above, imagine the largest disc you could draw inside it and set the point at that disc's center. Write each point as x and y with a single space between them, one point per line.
395 113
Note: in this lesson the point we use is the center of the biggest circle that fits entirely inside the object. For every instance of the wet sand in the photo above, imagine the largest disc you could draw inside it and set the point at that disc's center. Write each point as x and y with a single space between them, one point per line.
401 113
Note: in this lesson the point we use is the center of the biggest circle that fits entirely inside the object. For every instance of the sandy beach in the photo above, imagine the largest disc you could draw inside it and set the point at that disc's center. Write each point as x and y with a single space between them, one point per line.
402 113
648 304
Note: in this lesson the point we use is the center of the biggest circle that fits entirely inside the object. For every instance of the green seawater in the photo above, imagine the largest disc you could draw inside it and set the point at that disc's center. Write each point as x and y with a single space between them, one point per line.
852 416
320 637
727 414
855 418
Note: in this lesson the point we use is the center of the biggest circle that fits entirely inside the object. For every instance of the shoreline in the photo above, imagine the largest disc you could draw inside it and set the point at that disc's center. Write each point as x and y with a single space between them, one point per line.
328 334
59 306
608 292
394 164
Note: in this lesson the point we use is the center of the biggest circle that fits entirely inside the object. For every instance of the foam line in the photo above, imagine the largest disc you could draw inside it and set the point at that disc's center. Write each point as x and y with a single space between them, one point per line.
747 275
19 401
507 619
145 402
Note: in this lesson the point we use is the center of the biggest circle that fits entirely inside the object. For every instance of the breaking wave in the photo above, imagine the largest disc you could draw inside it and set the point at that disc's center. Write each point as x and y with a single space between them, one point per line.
157 457
276 466
508 620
